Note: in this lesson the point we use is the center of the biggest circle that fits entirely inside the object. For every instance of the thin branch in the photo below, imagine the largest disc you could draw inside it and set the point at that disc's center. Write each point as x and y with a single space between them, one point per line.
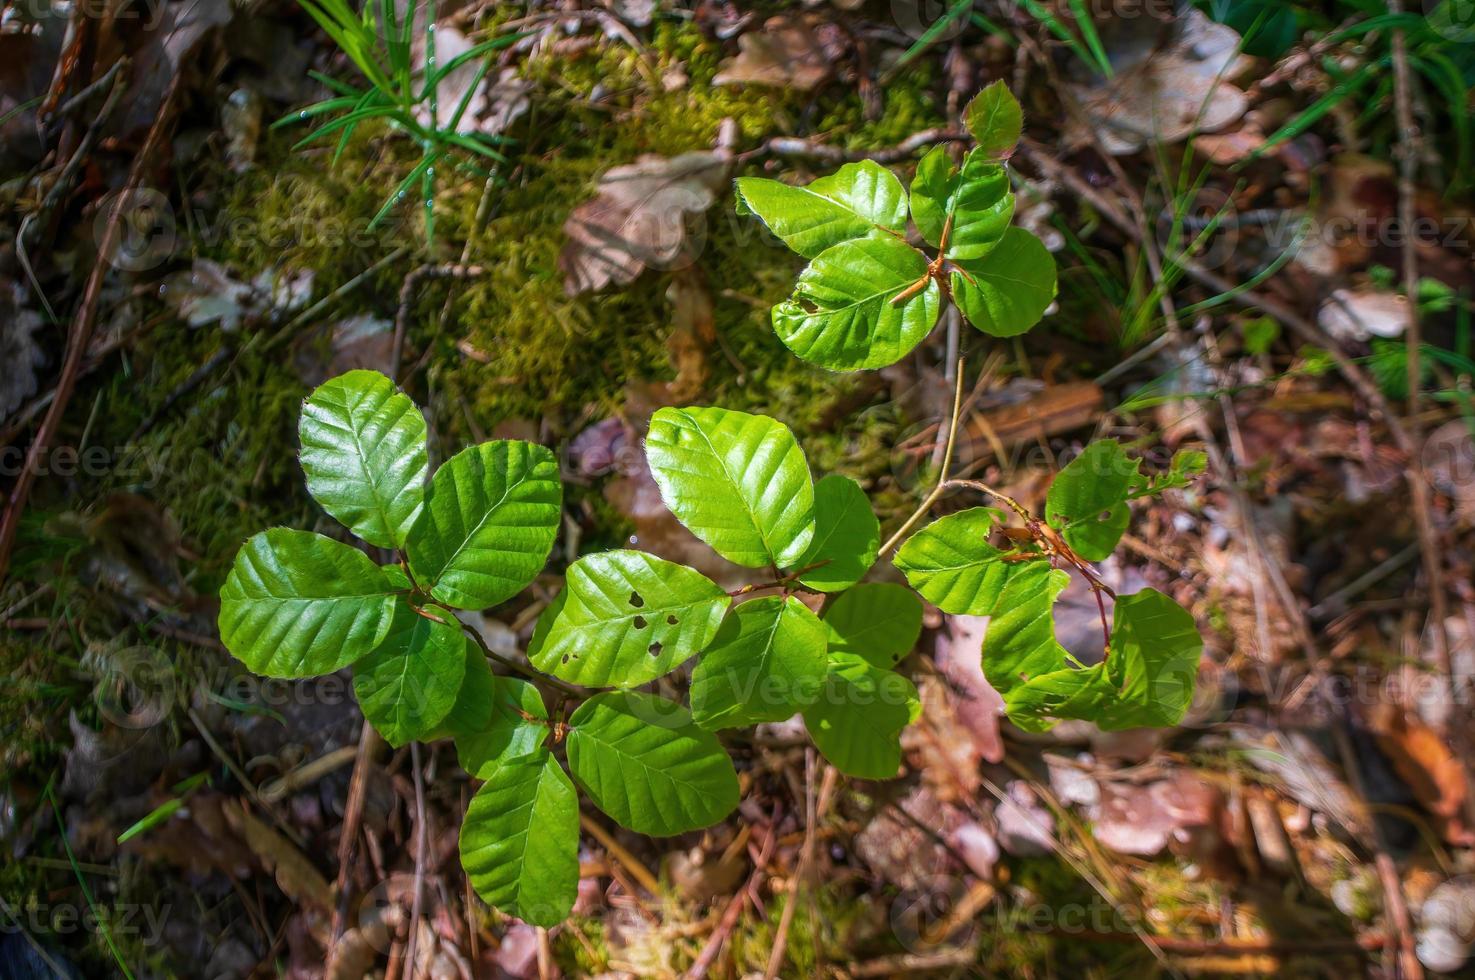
1408 164
530 673
947 462
421 844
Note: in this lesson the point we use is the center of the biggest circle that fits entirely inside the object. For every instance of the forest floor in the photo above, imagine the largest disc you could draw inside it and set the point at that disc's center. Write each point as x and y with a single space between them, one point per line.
1261 217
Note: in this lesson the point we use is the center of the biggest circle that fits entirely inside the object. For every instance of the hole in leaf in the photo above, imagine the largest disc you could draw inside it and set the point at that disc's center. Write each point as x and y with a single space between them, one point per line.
635 600
672 620
640 623
655 649
565 658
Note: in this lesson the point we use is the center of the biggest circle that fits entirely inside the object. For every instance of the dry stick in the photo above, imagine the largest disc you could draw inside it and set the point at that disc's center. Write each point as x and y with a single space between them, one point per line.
420 845
307 774
806 855
947 460
630 862
79 335
1089 877
1387 872
353 815
734 908
510 664
448 270
790 146
1408 165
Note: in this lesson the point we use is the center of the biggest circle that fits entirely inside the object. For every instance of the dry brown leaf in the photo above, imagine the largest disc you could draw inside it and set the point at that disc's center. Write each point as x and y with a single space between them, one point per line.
640 219
789 52
1357 314
1426 765
298 879
979 707
1050 411
1163 94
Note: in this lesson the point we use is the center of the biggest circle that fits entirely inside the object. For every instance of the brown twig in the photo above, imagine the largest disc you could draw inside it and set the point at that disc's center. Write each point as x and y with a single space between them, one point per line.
421 844
407 291
1408 164
793 146
616 850
79 336
530 673
806 856
353 815
734 908
942 479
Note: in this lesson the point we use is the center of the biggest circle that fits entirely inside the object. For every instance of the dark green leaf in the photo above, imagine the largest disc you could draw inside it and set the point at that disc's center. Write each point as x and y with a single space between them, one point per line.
297 604
1147 679
1088 499
642 761
410 681
737 481
877 621
494 718
1020 643
488 523
857 717
767 660
520 839
846 535
627 618
363 450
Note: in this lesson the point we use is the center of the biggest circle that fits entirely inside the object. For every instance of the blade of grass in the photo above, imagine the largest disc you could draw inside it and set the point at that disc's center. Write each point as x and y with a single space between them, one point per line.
398 194
102 926
1345 89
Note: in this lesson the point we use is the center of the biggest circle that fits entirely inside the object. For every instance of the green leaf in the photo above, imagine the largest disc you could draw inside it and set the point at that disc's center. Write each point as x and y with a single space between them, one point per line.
877 621
952 565
1186 464
488 523
850 203
1155 650
363 450
1007 291
737 481
1087 501
846 535
856 720
767 661
628 618
297 604
410 681
494 718
1147 679
1020 642
995 119
843 313
977 198
520 839
642 761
